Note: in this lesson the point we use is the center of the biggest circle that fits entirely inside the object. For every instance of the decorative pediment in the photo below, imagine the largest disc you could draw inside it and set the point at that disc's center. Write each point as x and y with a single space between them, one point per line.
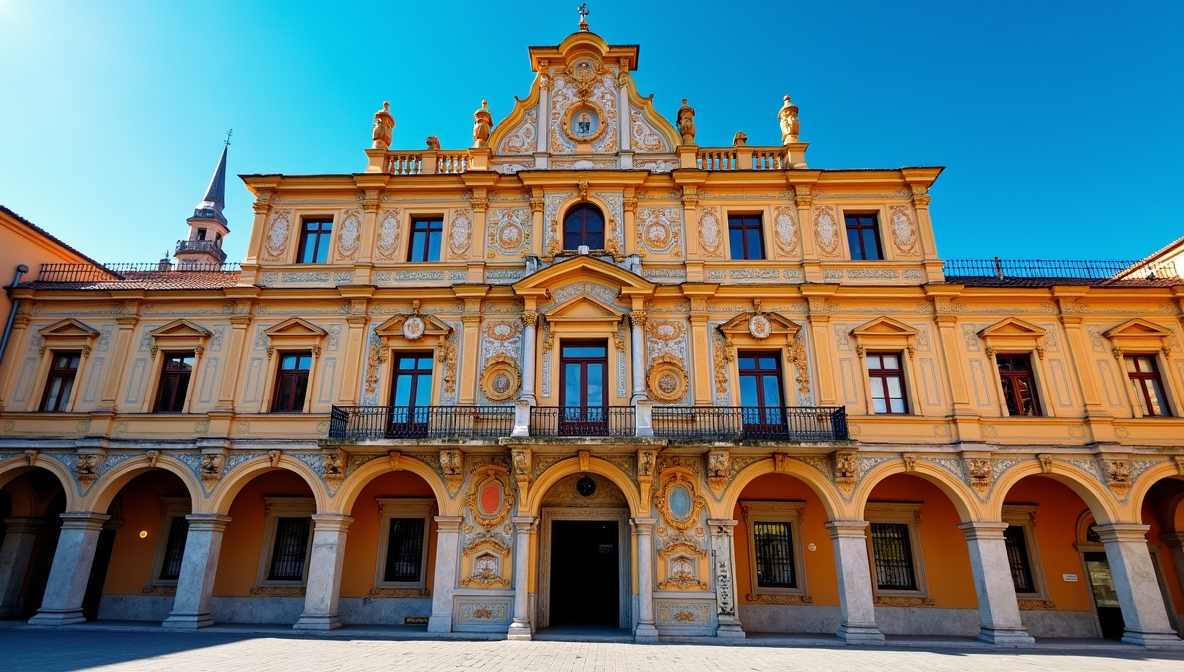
884 332
1139 334
585 268
1014 334
756 326
68 334
179 335
585 308
295 333
415 328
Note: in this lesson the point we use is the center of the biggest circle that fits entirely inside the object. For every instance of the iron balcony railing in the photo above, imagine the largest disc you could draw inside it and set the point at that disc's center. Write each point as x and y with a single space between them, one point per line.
737 423
118 272
200 247
422 422
1086 269
582 421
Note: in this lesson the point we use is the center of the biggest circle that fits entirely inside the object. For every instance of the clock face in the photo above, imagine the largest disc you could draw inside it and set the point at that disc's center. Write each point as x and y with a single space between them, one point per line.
584 124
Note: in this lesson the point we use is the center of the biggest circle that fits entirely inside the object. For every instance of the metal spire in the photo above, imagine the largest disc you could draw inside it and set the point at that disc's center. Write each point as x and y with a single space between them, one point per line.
216 193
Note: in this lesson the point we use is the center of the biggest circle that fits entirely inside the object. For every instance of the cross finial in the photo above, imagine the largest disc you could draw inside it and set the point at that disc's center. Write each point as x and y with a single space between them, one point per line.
229 132
584 16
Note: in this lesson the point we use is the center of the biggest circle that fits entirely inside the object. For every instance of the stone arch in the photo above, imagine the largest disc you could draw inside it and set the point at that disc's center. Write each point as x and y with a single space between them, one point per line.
347 494
228 488
14 467
556 472
1099 500
111 482
803 472
964 499
1143 484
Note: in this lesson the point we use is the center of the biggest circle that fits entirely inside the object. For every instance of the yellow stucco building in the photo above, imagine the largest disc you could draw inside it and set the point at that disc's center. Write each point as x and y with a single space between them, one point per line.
589 373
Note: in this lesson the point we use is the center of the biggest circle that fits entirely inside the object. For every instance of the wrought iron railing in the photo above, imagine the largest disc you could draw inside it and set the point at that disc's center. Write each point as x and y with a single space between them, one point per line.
582 421
736 423
423 422
199 247
117 272
1087 269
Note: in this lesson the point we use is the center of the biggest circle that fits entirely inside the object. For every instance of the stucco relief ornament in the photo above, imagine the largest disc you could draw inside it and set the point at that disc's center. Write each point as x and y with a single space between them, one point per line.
759 327
277 235
384 124
388 232
86 469
828 231
645 138
686 123
786 231
351 233
211 468
461 233
903 233
332 468
790 127
710 238
482 125
413 328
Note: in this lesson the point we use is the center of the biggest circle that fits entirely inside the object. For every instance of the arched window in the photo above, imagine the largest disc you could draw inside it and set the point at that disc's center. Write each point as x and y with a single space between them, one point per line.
583 225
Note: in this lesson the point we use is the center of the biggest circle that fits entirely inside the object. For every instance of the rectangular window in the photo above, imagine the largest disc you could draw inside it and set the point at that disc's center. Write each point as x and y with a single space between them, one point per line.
404 551
863 236
291 384
425 238
60 382
174 382
411 394
174 550
774 555
887 380
1019 384
314 241
1017 558
290 549
893 556
1146 386
745 237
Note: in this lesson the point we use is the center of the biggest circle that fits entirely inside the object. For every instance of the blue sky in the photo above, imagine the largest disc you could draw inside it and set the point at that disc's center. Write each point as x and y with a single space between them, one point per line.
1059 123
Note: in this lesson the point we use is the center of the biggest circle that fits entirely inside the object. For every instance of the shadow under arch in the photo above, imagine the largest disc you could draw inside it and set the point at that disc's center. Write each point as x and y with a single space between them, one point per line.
560 470
1103 505
103 492
228 488
17 466
822 487
347 494
1142 486
965 501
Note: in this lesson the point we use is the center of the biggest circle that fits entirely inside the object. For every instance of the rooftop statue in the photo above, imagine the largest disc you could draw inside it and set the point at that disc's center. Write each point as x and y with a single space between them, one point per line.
482 125
789 122
384 123
686 123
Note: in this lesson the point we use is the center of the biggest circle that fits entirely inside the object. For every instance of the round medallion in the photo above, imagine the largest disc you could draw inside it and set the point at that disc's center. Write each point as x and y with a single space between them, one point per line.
586 486
667 383
759 326
413 328
667 379
500 380
680 501
584 122
489 500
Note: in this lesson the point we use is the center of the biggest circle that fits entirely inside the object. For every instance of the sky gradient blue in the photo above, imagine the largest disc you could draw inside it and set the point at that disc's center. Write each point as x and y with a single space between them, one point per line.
1059 123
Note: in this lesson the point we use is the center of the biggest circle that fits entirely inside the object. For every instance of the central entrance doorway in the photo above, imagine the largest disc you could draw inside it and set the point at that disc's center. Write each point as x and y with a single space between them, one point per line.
585 573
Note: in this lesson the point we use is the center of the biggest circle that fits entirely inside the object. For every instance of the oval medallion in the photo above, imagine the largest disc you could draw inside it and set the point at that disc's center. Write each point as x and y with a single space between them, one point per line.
413 328
489 501
680 501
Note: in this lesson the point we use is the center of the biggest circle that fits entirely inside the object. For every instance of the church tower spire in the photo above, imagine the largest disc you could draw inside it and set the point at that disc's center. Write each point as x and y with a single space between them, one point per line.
207 226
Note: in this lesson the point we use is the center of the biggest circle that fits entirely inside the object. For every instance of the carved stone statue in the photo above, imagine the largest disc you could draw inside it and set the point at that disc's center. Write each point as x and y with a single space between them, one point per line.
740 139
482 125
686 123
384 123
433 142
789 122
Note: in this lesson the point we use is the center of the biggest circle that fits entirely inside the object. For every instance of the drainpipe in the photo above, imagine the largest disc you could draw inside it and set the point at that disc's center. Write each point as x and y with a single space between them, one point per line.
20 270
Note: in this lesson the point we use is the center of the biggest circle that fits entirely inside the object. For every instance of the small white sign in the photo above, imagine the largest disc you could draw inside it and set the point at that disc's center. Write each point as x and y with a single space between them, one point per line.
1071 578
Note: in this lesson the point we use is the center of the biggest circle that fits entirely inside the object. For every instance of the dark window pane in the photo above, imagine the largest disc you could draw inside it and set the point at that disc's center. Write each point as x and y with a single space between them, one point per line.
291 385
1017 557
288 552
893 556
583 225
174 550
174 382
60 381
404 550
774 555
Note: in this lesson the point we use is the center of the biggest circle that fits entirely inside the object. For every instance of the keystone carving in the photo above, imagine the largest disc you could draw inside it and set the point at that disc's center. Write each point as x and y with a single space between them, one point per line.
31 457
211 468
452 464
273 456
332 468
846 470
86 470
1118 475
153 457
1179 463
978 469
910 461
1045 463
395 456
719 467
780 462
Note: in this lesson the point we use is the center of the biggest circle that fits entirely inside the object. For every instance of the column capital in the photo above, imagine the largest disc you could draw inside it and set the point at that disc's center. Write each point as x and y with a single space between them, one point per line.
855 529
983 529
23 525
1122 532
525 524
1170 539
722 522
448 523
644 525
330 522
207 522
83 520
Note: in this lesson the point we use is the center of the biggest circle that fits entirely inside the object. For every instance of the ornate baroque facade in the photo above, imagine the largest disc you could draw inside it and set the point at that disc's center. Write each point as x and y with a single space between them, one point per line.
768 402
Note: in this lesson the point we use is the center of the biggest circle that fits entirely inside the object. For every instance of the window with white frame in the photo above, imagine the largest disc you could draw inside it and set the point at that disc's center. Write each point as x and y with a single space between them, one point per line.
775 561
894 546
170 542
403 542
1023 556
287 538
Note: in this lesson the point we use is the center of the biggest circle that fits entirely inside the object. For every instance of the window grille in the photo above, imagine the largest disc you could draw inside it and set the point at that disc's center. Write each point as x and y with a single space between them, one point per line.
1017 557
774 555
291 545
174 550
404 551
893 556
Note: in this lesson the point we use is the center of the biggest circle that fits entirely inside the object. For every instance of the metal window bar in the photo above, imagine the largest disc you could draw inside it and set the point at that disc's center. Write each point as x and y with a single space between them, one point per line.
420 422
774 423
1017 557
1089 269
174 549
582 421
893 556
404 550
774 555
288 553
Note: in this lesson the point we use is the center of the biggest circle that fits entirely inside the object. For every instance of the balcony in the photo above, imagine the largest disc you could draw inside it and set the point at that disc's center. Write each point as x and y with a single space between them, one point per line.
200 247
750 423
583 421
424 422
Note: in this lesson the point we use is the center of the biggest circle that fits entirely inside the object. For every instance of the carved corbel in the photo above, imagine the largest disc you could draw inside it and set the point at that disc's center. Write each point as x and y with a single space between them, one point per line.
1117 352
1045 463
88 467
153 457
31 457
719 467
452 463
520 459
273 456
990 352
213 461
1118 474
846 469
332 468
978 472
647 458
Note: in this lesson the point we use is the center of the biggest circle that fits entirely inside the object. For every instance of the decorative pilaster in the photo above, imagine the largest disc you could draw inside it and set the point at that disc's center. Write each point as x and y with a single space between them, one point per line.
857 613
524 528
324 572
70 572
645 631
723 558
19 538
637 321
1139 597
203 544
447 549
531 320
997 606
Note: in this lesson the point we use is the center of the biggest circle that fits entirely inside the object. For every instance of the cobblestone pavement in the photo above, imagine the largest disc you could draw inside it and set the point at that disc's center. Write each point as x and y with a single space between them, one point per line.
58 651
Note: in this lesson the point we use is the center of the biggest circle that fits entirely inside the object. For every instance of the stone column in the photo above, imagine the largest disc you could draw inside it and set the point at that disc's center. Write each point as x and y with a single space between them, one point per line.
203 544
645 631
723 558
524 528
447 547
1143 611
19 538
531 319
70 572
637 320
1175 543
997 605
856 607
324 572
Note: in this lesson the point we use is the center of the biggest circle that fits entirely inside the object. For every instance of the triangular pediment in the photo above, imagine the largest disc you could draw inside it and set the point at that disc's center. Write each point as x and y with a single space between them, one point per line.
432 326
778 323
583 268
584 307
1138 327
67 328
1013 326
294 327
180 329
884 326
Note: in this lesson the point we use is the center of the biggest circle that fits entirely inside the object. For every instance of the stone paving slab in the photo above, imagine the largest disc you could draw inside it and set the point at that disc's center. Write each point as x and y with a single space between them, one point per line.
45 650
